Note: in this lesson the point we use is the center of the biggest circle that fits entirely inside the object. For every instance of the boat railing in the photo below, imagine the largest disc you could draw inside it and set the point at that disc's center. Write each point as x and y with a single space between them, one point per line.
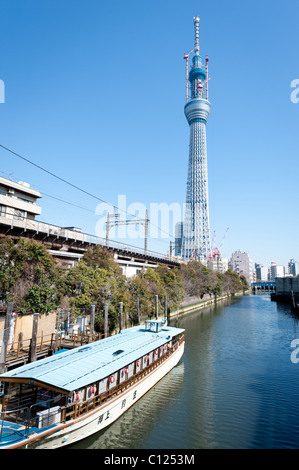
12 429
17 423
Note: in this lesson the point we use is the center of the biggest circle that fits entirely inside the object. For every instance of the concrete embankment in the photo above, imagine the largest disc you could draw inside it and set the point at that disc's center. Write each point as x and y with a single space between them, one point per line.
193 303
287 291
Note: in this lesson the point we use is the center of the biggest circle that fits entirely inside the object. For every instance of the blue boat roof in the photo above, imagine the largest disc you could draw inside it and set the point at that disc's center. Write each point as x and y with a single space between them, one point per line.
79 367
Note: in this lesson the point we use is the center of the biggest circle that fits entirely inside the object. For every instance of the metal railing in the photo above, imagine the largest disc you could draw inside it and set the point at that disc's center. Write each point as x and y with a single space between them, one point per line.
20 421
9 425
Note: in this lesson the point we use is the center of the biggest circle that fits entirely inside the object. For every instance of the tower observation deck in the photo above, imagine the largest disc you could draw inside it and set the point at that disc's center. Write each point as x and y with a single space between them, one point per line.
196 227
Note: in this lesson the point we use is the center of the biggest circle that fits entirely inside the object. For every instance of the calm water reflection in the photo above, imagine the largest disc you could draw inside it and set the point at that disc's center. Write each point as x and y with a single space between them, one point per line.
235 387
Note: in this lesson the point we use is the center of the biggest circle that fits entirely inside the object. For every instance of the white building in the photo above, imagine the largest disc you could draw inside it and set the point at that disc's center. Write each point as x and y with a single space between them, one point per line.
293 267
178 239
18 201
261 273
242 264
276 270
220 265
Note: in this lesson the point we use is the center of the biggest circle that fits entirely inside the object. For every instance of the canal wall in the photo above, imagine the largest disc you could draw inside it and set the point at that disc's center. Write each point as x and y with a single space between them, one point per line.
193 303
286 285
287 290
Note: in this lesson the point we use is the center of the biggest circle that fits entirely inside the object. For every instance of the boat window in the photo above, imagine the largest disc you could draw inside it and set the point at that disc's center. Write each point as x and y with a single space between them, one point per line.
150 357
102 386
84 349
116 353
112 380
155 326
91 391
78 395
43 397
123 374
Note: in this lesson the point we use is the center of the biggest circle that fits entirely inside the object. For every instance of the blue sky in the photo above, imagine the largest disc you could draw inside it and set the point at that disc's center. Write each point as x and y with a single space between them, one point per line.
95 93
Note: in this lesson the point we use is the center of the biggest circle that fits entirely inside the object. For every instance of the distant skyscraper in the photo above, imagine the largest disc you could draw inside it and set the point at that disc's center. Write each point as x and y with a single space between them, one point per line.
196 227
178 238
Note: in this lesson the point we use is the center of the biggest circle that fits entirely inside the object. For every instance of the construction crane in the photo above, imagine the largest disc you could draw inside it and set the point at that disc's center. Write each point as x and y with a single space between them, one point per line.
211 252
215 251
218 254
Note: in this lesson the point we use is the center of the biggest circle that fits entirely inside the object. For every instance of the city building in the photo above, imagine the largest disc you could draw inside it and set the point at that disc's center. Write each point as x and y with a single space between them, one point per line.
18 201
196 233
261 273
276 270
293 268
220 265
178 240
242 265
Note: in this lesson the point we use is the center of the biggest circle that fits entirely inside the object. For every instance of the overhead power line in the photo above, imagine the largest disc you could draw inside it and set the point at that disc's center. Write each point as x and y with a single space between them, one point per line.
77 187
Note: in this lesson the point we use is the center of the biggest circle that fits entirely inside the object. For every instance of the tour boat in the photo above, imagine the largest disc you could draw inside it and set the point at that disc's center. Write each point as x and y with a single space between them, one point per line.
59 400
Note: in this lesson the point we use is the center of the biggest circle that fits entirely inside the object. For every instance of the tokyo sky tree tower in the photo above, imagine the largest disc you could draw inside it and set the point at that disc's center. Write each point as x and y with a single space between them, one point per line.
196 230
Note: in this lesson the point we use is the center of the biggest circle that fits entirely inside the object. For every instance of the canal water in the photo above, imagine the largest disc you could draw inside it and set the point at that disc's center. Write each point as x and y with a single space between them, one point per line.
236 386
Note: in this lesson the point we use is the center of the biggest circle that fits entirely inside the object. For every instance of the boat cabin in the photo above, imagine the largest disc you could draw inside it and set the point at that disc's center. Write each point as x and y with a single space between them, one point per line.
154 326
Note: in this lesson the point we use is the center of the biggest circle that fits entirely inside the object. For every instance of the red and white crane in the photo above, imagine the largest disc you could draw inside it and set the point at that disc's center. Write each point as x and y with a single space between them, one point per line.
215 251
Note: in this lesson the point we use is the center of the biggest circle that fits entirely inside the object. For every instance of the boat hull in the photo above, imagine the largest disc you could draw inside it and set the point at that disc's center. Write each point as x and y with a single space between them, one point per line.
98 419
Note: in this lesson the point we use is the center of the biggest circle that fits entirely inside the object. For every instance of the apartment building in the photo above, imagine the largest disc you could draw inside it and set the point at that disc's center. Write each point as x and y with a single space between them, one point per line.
293 268
242 264
261 273
276 270
18 202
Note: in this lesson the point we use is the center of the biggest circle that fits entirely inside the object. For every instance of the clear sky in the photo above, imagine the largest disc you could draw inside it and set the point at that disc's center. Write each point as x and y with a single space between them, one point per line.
95 93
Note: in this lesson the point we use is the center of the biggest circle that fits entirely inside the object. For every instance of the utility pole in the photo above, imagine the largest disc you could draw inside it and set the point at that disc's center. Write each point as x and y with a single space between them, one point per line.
138 310
120 316
106 320
8 319
114 221
92 315
32 351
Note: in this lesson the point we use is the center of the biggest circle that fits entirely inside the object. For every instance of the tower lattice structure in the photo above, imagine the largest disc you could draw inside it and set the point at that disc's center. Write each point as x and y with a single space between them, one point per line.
196 227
